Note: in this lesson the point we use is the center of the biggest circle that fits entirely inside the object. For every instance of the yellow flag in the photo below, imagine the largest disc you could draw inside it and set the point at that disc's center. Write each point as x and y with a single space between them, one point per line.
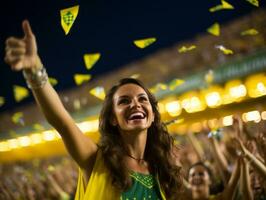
17 118
91 59
53 81
214 29
249 32
20 93
98 92
184 49
175 83
224 5
254 2
227 5
2 101
224 50
68 17
143 43
81 78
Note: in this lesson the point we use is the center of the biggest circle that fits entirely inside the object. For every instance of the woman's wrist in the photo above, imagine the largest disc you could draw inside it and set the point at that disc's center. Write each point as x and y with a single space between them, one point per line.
36 77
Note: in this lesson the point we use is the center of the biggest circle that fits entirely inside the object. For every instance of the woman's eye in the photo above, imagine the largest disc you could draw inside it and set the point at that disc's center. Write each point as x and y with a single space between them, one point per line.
143 98
123 101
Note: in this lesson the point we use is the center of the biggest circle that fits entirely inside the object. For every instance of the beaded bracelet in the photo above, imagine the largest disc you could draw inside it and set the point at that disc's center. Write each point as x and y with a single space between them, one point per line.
35 79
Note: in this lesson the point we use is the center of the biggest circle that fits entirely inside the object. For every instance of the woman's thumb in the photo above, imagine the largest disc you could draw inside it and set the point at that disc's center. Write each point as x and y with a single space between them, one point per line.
27 29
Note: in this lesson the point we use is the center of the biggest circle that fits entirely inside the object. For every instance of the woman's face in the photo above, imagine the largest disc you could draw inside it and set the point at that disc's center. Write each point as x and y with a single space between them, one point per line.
132 109
198 177
256 183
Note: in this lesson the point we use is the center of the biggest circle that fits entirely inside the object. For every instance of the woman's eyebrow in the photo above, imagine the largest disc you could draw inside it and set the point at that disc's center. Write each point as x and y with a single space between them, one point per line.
142 94
126 96
123 96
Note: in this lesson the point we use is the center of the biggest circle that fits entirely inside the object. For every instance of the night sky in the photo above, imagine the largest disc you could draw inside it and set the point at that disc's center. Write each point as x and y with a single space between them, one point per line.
104 26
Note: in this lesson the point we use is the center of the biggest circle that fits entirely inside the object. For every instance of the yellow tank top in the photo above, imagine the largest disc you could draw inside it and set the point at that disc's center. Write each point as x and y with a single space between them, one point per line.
99 185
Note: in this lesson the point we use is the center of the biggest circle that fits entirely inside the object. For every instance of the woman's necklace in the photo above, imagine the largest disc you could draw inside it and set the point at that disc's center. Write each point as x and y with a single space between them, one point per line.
140 160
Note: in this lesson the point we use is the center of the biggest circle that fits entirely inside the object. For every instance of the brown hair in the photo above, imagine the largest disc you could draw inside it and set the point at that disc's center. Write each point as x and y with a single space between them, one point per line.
158 151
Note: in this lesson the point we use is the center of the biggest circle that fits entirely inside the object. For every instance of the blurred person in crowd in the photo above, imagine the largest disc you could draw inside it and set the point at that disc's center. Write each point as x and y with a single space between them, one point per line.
200 179
135 158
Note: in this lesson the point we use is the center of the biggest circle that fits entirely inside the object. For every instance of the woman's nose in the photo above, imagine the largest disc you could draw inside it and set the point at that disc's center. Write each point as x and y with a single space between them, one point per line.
135 103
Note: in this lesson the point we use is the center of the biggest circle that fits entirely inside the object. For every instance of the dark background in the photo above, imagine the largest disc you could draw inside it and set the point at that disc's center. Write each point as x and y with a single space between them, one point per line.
104 26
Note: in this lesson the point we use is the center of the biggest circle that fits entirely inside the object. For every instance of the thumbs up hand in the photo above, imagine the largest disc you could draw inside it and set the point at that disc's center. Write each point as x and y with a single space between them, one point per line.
22 53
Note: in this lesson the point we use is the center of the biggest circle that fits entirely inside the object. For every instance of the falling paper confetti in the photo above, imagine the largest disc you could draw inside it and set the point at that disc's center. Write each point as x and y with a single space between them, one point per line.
175 83
249 32
254 2
17 118
224 5
157 87
184 49
20 92
98 92
2 101
135 76
68 17
143 43
214 29
91 59
81 78
209 76
53 81
224 50
38 127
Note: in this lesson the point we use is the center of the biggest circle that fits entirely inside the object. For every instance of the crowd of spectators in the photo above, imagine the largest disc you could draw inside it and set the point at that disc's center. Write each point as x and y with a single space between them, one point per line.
224 163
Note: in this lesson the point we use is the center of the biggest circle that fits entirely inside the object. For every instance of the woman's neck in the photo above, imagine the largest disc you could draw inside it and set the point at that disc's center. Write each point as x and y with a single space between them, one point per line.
135 144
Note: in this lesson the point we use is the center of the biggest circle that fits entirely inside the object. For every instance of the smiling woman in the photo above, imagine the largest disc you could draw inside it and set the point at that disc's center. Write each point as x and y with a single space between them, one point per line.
135 158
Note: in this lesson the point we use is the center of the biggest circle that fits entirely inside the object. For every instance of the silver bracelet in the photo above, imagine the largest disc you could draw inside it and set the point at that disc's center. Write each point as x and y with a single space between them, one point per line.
35 79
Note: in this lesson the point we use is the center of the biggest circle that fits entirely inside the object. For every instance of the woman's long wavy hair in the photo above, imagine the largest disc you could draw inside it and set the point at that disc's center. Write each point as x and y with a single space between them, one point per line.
158 151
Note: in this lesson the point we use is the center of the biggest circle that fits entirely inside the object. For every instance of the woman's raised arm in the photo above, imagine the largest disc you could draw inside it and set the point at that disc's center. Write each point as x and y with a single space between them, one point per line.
21 54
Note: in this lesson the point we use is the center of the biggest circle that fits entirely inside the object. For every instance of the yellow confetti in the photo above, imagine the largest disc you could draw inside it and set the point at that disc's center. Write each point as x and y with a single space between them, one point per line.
175 83
53 81
20 93
157 87
2 101
91 59
38 127
251 31
214 29
81 78
143 43
209 76
254 2
184 49
135 76
224 5
162 86
224 50
68 17
17 118
98 92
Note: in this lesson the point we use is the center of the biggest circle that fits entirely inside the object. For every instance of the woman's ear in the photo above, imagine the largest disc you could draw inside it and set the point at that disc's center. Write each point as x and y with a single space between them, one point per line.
113 121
